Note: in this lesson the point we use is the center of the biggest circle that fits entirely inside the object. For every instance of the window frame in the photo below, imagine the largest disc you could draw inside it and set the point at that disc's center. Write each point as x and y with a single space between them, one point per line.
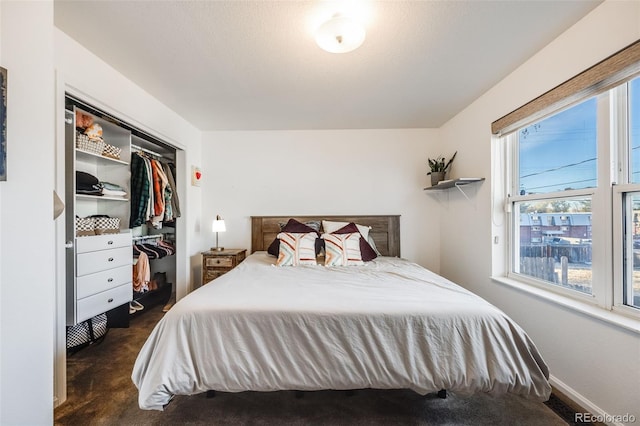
610 253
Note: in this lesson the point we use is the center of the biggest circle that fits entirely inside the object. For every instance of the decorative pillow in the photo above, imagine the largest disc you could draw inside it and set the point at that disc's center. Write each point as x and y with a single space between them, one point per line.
373 245
297 249
297 227
313 224
342 249
366 251
330 227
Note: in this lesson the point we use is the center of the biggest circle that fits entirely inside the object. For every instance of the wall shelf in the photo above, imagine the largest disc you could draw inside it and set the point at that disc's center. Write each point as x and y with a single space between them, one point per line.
454 183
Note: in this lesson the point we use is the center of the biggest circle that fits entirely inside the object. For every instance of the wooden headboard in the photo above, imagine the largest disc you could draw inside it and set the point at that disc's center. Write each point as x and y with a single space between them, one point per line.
385 230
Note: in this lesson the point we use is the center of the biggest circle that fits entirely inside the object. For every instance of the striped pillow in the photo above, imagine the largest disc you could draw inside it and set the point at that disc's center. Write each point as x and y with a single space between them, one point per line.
342 249
297 249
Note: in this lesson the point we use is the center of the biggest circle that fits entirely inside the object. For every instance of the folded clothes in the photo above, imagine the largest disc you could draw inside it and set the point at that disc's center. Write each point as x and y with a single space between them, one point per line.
89 191
111 193
111 186
87 182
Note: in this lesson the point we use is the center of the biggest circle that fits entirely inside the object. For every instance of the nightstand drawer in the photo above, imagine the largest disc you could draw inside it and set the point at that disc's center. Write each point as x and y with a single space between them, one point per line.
219 262
212 275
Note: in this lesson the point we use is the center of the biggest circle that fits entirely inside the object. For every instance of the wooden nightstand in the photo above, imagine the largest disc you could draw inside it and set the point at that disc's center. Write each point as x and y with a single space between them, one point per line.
216 263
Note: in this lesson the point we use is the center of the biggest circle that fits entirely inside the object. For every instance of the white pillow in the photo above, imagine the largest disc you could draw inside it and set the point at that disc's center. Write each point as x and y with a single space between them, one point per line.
342 249
297 249
330 227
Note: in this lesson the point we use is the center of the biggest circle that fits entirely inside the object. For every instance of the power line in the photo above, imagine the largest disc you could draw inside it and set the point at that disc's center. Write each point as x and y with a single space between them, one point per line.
558 168
560 184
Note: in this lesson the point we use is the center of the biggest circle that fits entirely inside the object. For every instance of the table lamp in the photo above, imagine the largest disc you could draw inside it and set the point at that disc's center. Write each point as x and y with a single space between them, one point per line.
217 226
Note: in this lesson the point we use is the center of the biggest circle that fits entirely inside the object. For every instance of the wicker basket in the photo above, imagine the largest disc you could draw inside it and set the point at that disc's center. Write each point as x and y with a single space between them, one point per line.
106 225
85 226
111 151
94 146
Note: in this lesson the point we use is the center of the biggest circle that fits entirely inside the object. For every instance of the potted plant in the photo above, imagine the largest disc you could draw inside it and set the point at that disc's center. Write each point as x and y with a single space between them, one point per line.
438 168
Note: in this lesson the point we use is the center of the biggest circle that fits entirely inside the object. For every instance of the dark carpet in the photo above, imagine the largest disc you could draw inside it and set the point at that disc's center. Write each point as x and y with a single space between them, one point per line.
100 392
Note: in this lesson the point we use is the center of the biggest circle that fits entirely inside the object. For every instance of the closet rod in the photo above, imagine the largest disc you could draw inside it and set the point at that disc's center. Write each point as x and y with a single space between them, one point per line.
148 151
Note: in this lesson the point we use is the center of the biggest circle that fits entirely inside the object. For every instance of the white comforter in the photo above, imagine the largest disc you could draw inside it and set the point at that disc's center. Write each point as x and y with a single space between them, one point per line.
388 324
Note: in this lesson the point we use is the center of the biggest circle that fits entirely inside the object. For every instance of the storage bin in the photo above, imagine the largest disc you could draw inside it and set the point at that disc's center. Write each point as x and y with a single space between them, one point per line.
106 225
111 151
94 146
85 226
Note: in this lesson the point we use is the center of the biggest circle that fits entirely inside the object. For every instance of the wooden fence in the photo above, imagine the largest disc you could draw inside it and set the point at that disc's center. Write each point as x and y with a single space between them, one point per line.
575 253
544 268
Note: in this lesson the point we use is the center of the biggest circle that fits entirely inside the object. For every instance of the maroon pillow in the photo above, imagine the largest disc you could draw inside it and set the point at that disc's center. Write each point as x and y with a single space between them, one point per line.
367 252
293 226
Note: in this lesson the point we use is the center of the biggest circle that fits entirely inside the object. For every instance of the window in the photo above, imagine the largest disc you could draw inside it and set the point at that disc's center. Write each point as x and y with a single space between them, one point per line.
555 156
630 294
628 198
574 199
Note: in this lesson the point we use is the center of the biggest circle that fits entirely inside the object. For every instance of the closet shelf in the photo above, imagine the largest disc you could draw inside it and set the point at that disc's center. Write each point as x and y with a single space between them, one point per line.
99 197
101 158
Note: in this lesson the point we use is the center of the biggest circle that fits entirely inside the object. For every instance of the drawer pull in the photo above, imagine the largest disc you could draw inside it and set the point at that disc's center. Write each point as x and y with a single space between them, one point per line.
110 280
110 300
218 261
109 242
111 259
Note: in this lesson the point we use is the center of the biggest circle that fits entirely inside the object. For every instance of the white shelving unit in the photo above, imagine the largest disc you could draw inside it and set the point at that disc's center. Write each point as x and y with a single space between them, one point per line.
99 266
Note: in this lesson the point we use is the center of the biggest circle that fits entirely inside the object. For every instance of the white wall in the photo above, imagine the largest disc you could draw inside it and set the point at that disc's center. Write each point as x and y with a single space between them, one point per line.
597 361
26 216
322 172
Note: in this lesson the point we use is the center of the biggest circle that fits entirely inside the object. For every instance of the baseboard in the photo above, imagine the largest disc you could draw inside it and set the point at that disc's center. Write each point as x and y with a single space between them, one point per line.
578 402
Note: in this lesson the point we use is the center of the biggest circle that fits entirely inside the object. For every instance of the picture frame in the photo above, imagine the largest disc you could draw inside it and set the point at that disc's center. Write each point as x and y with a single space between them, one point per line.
3 124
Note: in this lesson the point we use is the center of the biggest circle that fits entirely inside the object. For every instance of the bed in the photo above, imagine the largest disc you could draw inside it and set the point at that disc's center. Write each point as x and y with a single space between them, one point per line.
387 324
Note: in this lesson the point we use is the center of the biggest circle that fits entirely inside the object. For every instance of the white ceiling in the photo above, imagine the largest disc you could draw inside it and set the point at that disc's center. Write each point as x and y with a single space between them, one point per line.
254 65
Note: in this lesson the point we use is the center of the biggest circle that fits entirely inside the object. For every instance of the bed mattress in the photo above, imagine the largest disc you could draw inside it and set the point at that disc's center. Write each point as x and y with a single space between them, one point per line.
390 324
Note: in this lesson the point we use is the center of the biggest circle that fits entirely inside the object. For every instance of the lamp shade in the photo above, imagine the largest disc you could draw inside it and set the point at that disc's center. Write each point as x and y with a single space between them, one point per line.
340 34
218 225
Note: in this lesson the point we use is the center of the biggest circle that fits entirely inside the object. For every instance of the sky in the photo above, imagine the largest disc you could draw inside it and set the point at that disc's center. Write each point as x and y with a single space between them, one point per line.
559 152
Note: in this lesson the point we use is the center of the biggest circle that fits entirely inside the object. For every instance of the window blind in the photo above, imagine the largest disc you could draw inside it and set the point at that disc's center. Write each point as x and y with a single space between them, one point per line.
606 74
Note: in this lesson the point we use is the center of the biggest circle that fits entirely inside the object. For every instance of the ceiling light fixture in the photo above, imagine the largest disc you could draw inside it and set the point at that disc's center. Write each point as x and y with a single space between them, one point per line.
340 34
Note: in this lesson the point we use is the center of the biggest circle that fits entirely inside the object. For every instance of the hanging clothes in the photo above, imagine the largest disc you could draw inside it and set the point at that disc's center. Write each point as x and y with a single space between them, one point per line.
153 250
160 184
139 191
141 273
154 198
175 202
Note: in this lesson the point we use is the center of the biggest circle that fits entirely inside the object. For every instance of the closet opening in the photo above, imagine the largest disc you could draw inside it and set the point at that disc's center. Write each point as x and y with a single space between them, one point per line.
121 223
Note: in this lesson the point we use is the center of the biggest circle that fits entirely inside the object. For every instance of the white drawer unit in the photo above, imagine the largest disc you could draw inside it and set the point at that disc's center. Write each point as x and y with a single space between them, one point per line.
103 275
102 260
103 242
87 285
102 302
